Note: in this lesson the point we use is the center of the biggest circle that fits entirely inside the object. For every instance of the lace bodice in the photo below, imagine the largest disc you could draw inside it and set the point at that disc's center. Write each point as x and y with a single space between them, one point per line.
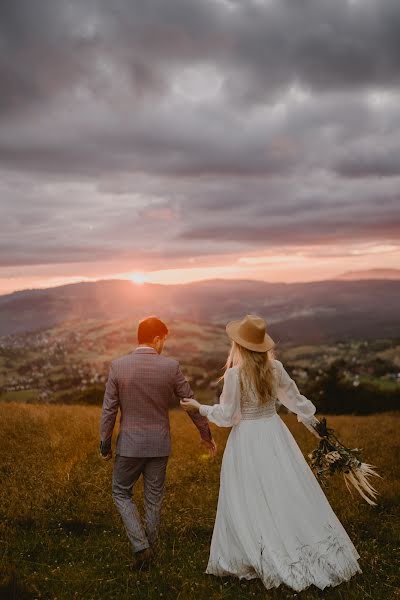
250 405
235 405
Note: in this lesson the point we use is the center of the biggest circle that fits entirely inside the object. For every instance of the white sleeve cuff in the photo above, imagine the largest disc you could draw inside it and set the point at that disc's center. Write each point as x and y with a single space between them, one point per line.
203 410
309 424
302 418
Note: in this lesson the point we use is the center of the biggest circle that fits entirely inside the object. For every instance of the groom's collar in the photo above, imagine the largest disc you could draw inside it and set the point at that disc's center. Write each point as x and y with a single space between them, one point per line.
145 350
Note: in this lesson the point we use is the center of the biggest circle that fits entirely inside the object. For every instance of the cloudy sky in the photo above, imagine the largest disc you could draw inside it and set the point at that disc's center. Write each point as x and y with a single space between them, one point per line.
187 139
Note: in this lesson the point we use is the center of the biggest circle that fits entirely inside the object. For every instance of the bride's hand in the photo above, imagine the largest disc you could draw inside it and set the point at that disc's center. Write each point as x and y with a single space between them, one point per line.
190 404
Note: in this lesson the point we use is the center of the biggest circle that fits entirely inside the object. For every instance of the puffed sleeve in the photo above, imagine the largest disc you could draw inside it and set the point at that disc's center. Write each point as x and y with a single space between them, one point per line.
289 395
227 412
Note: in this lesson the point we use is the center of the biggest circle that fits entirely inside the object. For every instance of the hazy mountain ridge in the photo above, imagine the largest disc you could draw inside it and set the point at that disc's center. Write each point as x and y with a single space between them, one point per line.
311 312
371 274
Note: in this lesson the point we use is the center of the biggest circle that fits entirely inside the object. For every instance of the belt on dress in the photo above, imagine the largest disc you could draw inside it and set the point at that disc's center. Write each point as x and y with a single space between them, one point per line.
259 411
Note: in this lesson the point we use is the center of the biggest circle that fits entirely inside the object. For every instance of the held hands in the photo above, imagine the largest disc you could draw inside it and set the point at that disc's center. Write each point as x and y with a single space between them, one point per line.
190 405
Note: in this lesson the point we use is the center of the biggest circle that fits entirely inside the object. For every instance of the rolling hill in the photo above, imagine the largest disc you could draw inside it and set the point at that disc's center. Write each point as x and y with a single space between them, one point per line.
312 312
371 274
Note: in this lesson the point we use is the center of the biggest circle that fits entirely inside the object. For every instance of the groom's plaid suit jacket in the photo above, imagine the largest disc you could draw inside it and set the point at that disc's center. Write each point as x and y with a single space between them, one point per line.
141 384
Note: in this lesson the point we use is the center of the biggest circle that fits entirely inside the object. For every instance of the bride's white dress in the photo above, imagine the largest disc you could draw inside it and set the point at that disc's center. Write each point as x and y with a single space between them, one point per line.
273 519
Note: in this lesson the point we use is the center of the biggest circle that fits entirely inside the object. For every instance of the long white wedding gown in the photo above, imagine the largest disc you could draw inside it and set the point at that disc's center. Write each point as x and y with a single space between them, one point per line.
273 519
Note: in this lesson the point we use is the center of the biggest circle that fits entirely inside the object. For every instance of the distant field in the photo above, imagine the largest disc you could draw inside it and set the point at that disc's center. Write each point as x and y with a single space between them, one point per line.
61 537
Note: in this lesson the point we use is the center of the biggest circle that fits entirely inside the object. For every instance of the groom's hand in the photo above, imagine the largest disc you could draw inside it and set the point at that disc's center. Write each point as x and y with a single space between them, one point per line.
211 446
107 457
190 405
105 449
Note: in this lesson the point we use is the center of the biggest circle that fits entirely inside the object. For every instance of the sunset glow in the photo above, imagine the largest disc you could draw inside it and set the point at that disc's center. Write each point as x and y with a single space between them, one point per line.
309 263
200 159
139 278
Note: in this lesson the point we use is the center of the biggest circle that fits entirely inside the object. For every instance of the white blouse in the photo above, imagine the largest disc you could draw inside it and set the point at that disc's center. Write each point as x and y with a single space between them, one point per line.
228 412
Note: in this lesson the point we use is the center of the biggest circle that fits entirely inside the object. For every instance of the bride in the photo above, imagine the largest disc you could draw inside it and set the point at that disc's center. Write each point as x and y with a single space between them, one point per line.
273 520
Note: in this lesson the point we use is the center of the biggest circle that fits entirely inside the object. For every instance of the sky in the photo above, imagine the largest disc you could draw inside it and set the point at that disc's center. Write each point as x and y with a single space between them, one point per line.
177 140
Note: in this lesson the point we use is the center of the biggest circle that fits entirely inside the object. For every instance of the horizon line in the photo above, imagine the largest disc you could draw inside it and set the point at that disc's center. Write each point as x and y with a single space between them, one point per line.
194 281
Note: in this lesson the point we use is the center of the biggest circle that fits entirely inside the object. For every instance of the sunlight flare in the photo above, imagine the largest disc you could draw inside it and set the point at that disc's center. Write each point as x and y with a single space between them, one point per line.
138 278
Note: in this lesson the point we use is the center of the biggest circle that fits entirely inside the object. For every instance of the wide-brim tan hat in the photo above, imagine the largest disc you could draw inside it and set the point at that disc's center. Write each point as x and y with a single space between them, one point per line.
250 332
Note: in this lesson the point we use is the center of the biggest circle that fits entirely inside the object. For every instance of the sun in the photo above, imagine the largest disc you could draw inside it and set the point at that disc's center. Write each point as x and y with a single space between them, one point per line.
139 278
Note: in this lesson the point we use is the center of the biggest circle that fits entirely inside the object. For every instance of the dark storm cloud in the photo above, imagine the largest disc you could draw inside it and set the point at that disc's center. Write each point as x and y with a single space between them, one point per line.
371 163
337 230
261 46
240 123
41 54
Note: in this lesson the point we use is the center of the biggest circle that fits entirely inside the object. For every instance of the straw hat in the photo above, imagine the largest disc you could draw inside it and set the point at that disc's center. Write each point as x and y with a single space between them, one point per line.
250 332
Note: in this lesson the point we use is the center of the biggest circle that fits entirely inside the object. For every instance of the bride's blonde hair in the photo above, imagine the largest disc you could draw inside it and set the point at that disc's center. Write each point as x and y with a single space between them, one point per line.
254 368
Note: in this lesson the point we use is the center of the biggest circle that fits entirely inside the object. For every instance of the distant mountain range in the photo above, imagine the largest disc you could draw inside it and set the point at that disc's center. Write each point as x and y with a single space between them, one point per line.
371 274
312 312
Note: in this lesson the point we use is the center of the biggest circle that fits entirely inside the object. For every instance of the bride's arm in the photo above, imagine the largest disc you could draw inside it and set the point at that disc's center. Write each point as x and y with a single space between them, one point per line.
290 396
226 413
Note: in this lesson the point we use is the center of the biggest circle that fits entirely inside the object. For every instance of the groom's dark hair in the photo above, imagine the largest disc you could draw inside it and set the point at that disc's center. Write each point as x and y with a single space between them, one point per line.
149 328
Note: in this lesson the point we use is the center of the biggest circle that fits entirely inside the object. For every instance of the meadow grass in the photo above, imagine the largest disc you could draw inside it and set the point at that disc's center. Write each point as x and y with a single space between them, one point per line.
61 536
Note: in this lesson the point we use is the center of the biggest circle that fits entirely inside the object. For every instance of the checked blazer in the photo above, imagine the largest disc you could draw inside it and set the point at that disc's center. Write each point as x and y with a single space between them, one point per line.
141 385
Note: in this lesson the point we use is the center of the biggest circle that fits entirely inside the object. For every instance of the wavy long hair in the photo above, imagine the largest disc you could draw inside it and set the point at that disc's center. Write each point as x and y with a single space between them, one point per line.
256 370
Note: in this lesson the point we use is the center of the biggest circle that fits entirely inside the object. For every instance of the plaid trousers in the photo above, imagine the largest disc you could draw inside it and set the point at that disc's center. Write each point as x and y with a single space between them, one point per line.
126 472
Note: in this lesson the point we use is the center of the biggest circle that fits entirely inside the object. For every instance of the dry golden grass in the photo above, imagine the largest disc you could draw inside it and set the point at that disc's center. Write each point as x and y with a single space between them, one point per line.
61 537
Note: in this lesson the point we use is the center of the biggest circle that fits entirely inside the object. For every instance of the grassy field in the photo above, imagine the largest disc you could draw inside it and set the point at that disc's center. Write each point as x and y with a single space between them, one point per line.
61 537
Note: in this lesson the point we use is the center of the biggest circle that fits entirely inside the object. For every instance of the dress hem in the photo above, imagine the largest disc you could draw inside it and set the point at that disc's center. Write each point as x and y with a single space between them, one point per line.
325 563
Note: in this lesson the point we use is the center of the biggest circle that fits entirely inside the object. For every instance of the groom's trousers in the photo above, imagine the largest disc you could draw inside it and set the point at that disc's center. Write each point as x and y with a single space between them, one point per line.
126 472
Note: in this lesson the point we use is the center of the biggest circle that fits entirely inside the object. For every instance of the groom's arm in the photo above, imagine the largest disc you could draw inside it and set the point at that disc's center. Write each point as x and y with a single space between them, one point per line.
183 390
109 413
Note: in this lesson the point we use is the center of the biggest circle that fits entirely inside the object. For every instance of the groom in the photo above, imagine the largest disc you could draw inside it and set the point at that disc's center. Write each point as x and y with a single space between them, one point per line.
141 384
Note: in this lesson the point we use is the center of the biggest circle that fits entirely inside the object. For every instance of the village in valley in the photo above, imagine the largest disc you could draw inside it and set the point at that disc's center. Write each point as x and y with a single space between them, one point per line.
69 363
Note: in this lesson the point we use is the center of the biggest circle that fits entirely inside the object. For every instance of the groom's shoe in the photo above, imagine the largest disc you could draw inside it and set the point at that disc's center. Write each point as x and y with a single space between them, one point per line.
142 559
